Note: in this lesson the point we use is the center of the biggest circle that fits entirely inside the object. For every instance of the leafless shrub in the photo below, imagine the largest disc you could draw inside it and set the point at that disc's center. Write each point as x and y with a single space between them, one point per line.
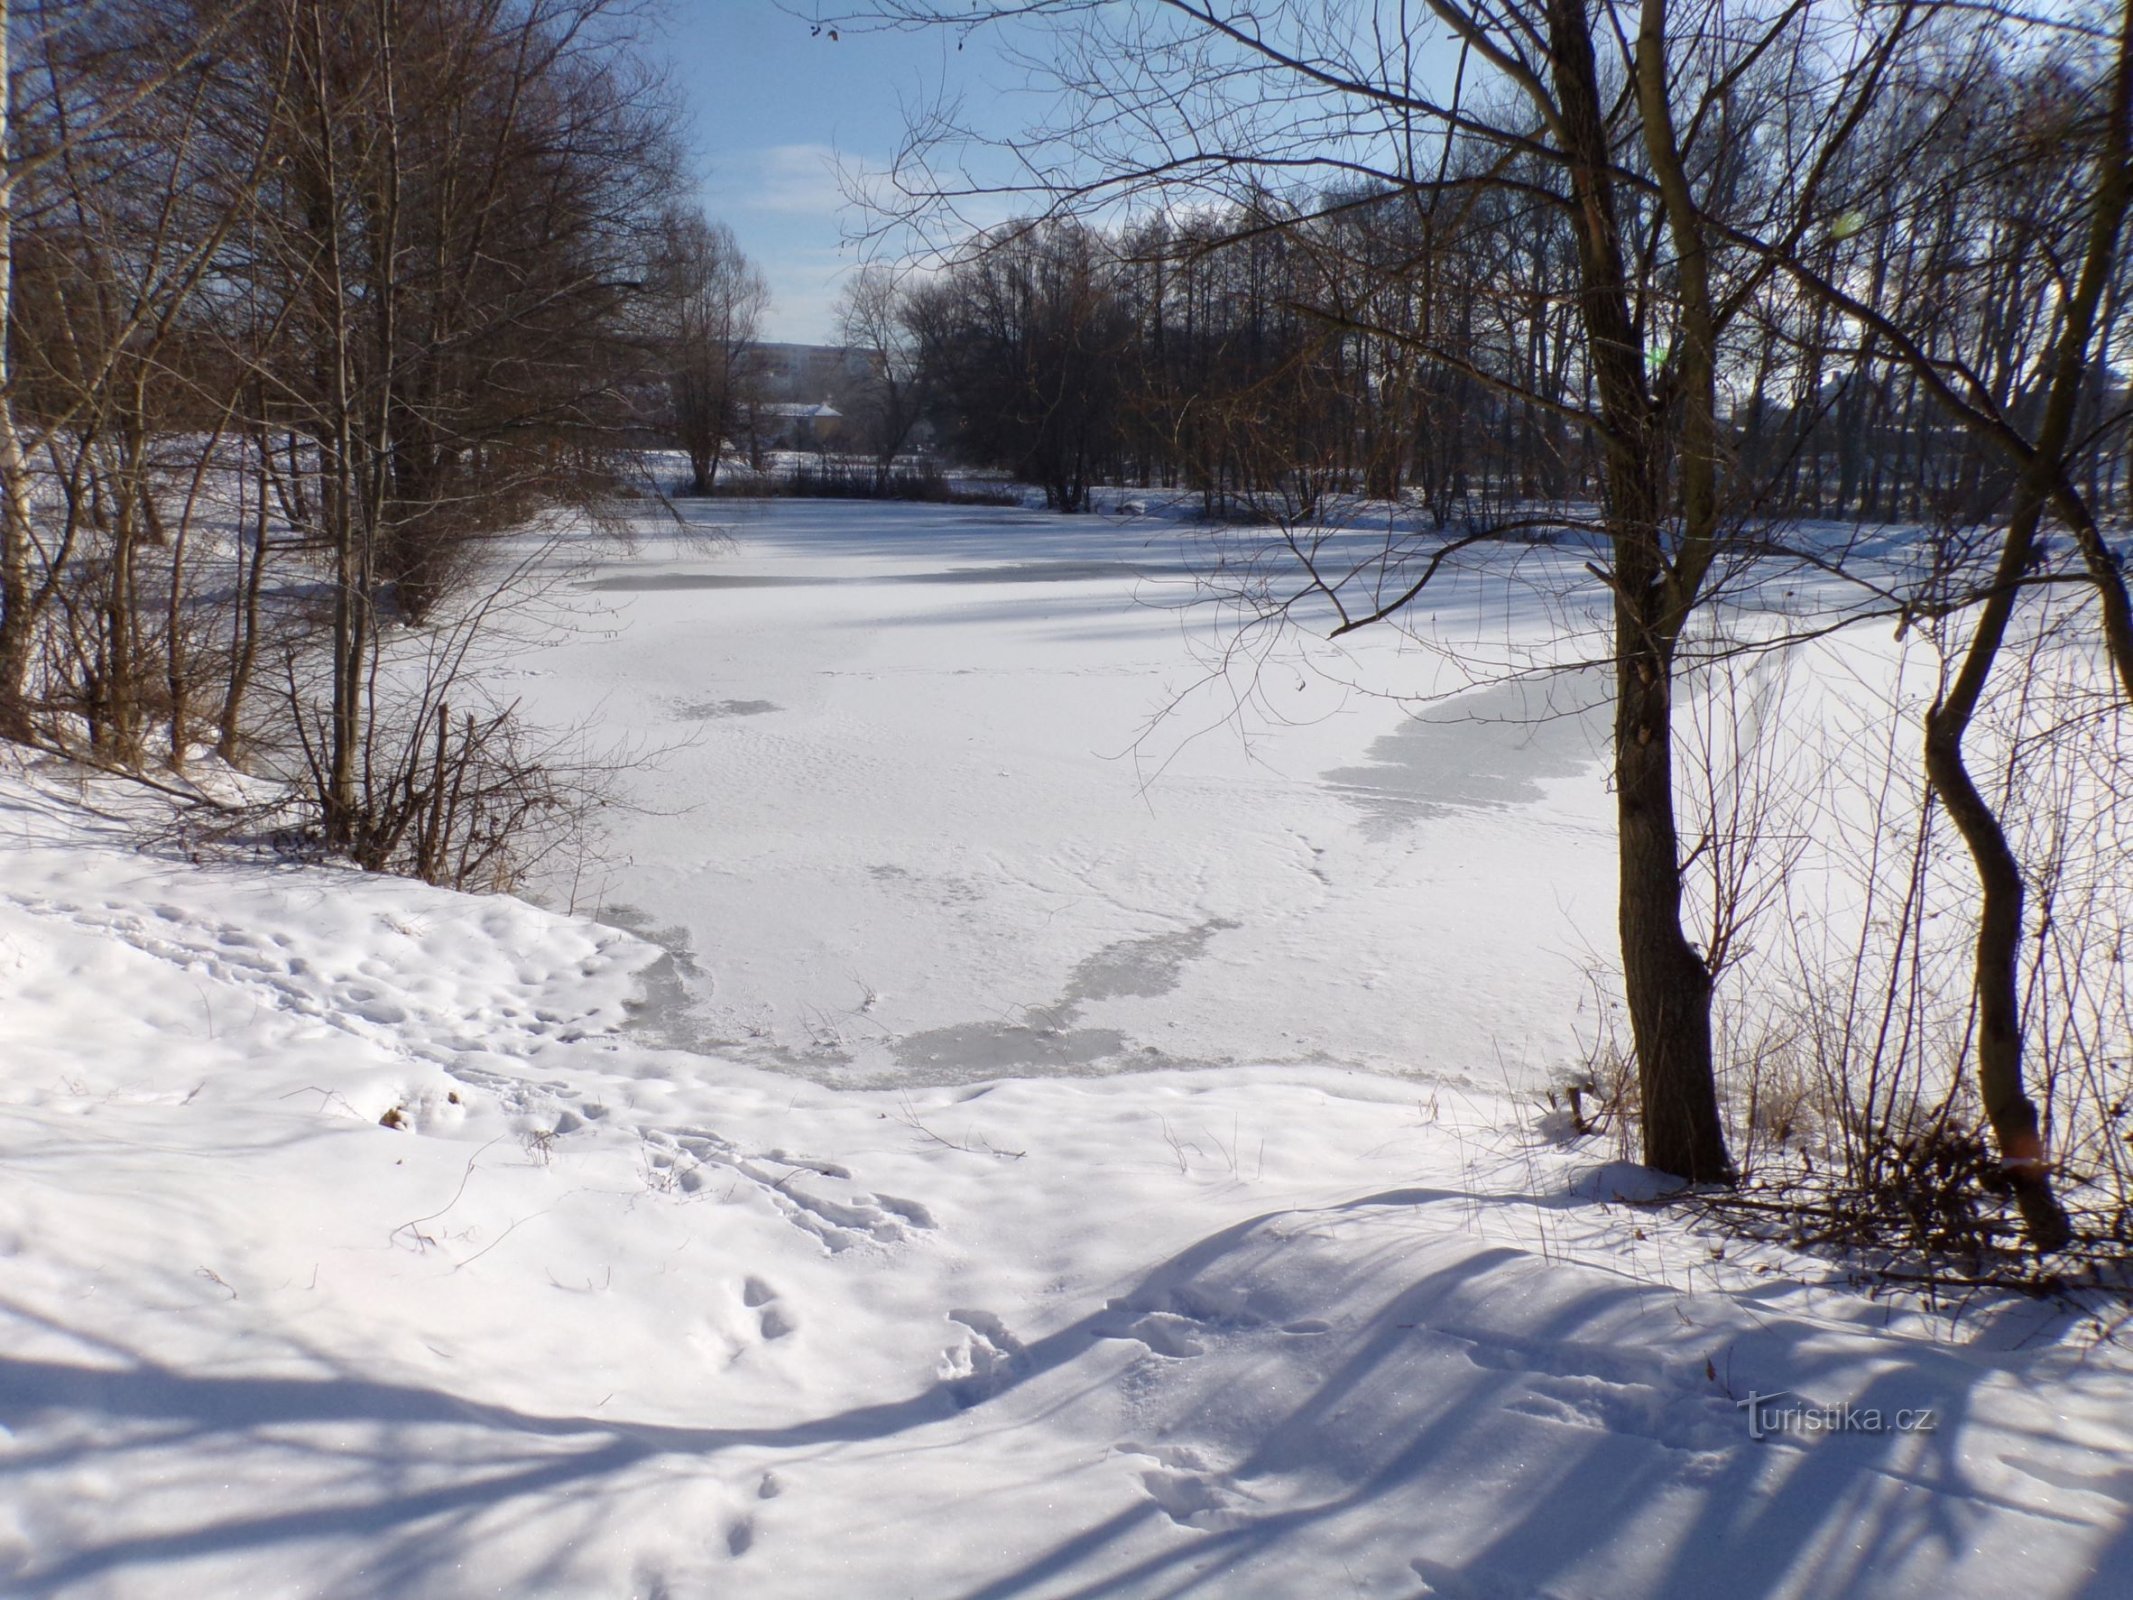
1849 1025
474 801
1781 1106
1600 1093
1740 802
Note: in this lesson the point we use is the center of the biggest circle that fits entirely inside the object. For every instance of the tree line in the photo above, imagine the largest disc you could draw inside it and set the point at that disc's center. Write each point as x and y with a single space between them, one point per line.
1267 351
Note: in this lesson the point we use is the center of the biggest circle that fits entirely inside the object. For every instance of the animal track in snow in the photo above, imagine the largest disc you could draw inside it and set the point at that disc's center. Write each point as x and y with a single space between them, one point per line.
1193 1501
1619 1392
1163 1332
1179 1322
817 1197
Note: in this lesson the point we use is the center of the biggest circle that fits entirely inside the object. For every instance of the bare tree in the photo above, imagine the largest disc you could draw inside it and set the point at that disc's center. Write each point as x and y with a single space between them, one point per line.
710 299
444 264
1993 240
882 406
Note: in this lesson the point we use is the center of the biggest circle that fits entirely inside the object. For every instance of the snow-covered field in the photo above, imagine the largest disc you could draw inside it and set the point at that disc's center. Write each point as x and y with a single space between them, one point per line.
952 1151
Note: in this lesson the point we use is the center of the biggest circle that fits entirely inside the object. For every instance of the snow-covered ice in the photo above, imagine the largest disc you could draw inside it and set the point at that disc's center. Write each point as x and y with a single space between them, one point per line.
937 1161
913 823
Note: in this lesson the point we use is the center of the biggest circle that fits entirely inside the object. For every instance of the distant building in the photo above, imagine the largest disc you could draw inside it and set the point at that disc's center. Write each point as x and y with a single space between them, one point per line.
793 372
795 425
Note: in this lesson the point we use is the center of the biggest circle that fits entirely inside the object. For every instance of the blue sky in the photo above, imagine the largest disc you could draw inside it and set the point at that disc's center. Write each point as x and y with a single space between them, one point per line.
778 107
773 109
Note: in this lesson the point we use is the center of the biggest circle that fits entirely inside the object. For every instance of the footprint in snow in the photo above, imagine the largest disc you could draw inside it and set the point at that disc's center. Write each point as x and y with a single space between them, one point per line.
1173 1333
987 1361
1167 1334
1192 1501
772 1320
1189 1490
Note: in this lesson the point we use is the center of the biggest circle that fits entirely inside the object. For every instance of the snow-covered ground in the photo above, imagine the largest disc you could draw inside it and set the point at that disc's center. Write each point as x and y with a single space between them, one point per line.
995 1174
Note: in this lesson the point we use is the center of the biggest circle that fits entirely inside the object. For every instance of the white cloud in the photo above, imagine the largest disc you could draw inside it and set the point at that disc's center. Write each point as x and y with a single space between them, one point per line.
780 180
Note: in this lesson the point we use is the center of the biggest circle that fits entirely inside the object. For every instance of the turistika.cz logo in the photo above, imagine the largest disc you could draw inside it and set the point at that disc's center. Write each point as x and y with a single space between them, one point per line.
1785 1412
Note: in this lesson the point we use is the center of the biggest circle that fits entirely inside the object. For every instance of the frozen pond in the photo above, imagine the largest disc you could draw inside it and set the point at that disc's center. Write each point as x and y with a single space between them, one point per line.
945 793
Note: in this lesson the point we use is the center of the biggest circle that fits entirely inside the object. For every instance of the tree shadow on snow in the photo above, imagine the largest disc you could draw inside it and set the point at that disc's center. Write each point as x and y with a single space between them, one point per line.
1490 1421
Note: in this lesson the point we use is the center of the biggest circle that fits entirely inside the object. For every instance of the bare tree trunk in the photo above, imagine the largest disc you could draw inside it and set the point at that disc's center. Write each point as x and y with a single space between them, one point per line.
2008 1108
244 652
17 597
1665 983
